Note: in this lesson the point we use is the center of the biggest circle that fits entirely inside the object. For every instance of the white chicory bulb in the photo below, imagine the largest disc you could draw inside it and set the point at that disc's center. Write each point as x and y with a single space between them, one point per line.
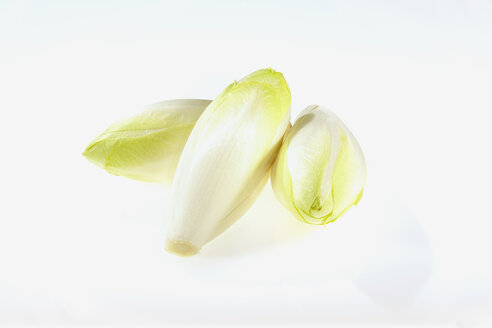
226 161
320 170
147 147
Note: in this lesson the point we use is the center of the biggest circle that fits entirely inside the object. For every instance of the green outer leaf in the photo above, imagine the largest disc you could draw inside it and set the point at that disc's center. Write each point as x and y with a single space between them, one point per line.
147 147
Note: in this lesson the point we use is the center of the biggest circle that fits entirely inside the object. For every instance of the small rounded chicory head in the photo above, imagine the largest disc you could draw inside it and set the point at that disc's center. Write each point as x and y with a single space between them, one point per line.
320 170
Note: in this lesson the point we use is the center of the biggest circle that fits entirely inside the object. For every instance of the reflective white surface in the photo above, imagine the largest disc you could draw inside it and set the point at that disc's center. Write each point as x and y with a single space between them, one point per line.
412 80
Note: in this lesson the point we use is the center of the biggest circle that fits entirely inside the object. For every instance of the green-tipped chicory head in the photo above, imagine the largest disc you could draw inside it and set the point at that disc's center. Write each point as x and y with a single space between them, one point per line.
320 170
147 147
227 158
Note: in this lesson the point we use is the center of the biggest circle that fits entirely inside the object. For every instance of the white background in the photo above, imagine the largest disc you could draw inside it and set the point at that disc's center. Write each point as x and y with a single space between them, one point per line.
413 81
